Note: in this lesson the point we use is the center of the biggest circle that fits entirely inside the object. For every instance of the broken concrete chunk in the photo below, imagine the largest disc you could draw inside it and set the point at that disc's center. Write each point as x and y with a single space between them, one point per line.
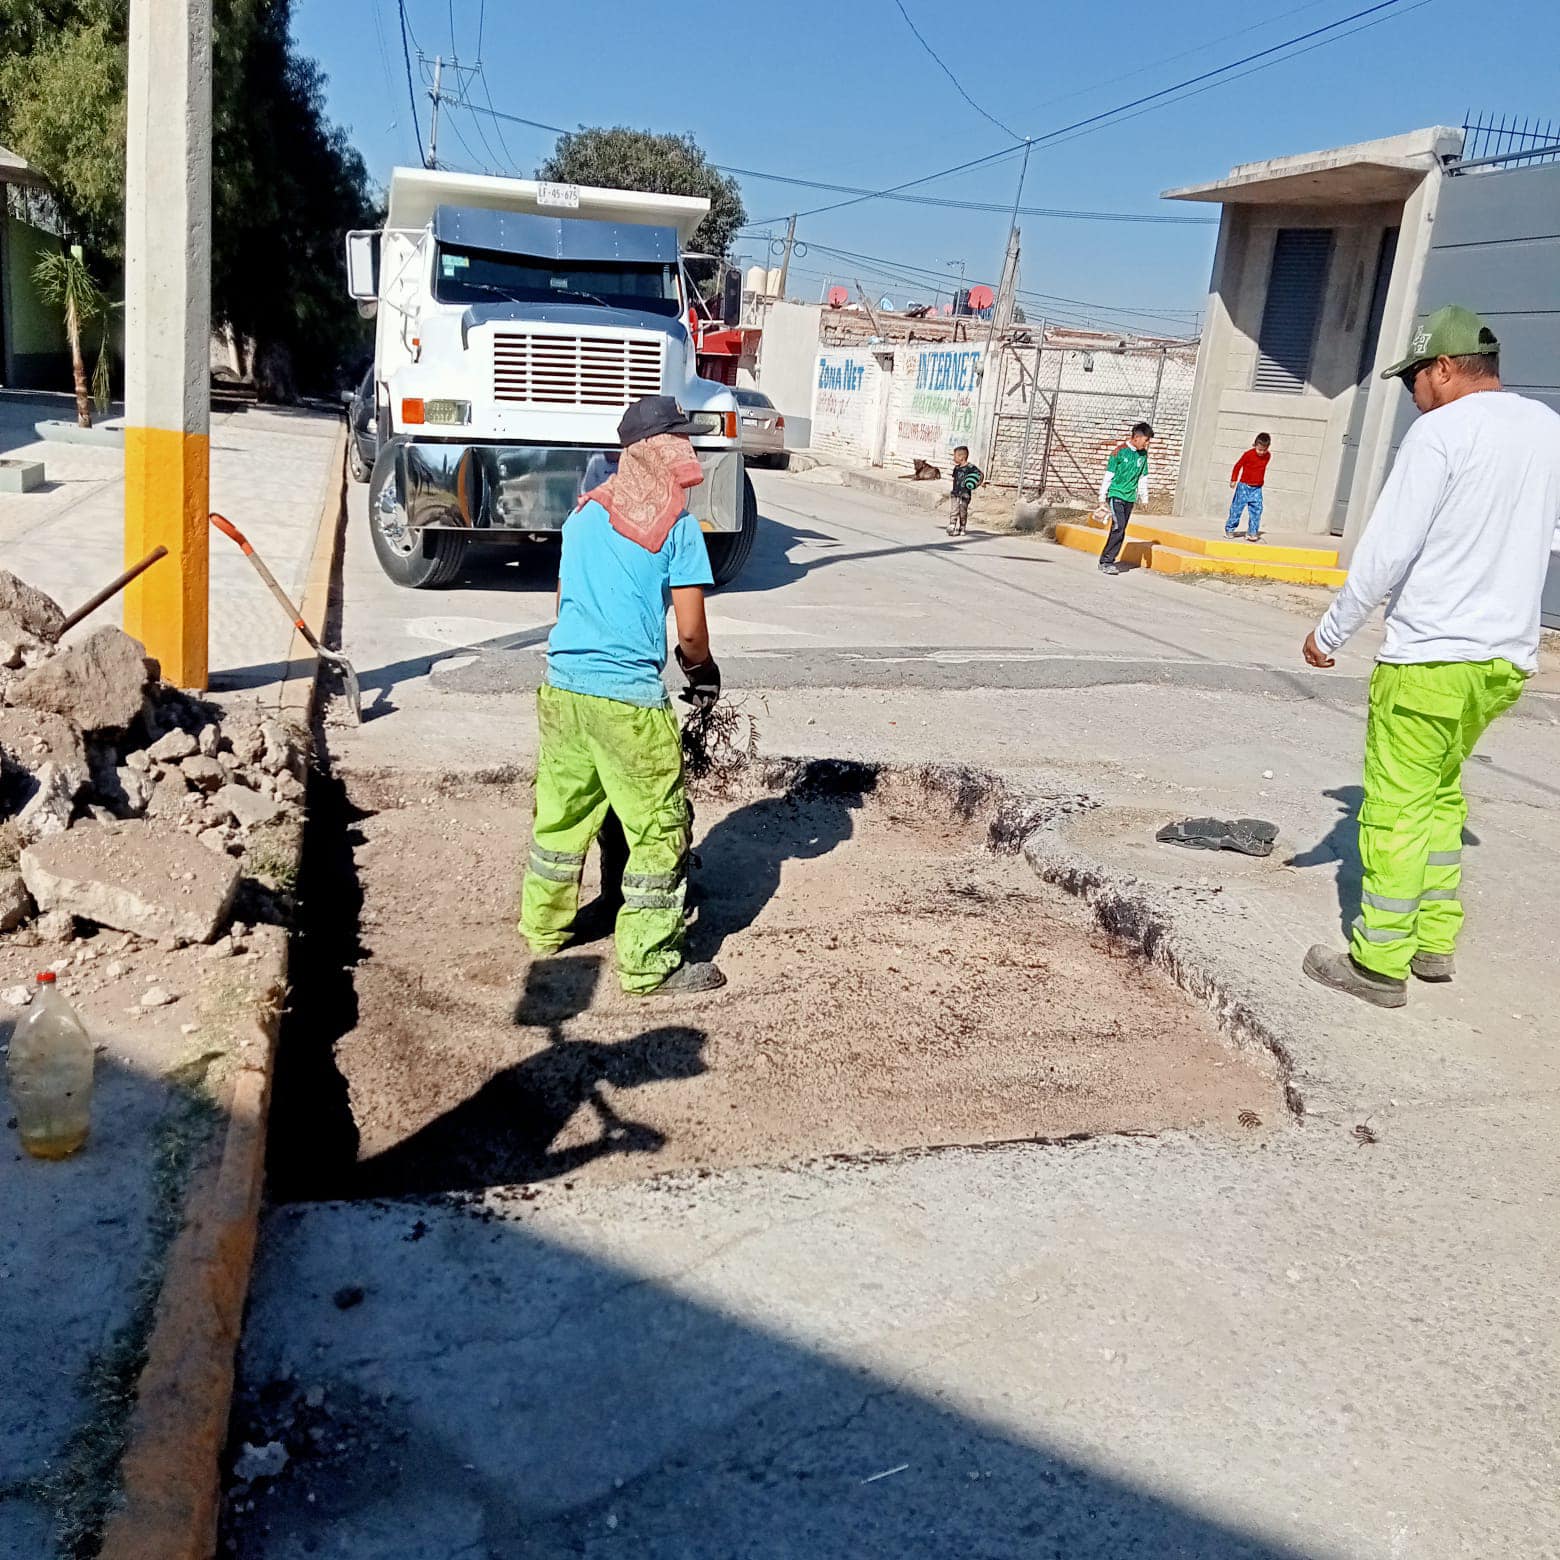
56 925
209 739
97 683
35 615
246 742
135 790
10 655
205 774
137 877
15 902
48 809
157 996
248 809
288 788
32 738
214 839
139 760
172 746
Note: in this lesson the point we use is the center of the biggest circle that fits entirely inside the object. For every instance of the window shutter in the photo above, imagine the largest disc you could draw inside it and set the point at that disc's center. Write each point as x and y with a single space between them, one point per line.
1297 285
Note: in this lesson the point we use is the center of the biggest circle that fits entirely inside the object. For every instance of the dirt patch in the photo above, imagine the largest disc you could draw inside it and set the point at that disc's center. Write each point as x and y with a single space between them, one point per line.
893 983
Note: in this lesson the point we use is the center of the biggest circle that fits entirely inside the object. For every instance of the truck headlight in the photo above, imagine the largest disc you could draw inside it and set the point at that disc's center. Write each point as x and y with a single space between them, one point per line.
720 424
447 411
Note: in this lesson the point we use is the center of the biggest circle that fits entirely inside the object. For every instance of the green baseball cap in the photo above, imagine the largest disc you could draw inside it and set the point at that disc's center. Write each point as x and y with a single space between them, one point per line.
1449 332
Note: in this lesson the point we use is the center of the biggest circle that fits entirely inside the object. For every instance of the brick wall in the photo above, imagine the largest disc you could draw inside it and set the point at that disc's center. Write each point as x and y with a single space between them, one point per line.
1085 401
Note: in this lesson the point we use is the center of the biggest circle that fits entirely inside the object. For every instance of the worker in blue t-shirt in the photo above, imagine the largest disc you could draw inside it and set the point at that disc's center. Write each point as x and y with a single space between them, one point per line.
609 739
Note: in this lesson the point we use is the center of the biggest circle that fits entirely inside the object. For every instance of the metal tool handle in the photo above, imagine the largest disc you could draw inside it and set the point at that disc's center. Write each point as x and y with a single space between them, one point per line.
112 589
228 529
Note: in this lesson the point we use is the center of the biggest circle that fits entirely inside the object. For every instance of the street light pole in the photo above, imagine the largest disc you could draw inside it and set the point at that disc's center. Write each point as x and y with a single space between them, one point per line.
168 330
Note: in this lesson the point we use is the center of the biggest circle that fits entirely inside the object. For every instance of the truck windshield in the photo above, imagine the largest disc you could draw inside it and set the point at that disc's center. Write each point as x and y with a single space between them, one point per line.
463 275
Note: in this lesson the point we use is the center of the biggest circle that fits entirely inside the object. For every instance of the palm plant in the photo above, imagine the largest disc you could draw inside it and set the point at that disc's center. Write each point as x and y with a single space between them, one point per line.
62 278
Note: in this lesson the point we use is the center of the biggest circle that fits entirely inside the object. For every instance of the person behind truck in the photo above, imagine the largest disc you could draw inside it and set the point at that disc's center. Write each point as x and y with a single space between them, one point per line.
1458 547
608 735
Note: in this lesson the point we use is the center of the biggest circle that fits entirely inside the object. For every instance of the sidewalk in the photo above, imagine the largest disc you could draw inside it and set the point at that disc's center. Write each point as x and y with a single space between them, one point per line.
270 471
84 1243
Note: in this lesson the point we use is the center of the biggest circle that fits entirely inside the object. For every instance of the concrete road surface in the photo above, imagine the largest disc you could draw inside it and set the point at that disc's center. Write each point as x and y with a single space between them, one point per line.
1332 1342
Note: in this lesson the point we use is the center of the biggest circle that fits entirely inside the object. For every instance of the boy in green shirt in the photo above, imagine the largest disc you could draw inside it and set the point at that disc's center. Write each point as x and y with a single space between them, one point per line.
1125 483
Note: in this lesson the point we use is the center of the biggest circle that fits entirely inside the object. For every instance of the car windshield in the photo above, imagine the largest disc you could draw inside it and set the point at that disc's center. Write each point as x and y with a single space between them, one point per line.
753 398
462 275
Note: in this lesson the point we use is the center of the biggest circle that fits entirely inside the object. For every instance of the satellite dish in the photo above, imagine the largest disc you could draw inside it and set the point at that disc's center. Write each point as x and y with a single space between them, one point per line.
838 297
982 297
885 302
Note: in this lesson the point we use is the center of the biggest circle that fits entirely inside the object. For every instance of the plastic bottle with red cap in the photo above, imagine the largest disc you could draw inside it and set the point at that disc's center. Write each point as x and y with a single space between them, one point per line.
50 1073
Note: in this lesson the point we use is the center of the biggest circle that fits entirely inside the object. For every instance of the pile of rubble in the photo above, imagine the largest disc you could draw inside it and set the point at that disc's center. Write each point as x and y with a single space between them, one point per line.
125 802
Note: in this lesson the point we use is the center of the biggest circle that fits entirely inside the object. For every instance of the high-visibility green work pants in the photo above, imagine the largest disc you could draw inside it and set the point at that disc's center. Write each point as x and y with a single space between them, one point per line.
1424 721
596 752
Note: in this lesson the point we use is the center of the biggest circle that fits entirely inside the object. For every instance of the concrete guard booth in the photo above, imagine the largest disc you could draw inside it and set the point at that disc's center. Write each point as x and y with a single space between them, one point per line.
1323 262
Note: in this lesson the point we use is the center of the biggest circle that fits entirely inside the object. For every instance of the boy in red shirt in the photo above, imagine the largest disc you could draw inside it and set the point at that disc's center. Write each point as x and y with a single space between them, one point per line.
1247 478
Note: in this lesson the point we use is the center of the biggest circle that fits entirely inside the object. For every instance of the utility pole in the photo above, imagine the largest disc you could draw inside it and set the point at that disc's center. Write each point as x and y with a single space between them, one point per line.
433 127
168 331
785 257
1005 290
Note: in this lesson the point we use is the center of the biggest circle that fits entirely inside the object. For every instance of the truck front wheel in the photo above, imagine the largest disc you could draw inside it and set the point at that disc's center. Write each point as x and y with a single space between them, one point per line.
418 559
730 550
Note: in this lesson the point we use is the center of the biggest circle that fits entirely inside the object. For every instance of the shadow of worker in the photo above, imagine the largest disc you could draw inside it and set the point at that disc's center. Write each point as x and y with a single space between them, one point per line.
743 855
504 1133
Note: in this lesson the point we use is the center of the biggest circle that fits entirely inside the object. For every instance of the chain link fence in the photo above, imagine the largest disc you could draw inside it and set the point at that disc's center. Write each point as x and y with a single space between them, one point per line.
1061 410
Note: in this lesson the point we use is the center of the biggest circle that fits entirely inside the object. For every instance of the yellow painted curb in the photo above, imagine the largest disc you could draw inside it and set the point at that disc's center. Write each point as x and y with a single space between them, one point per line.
170 1477
1084 538
1167 561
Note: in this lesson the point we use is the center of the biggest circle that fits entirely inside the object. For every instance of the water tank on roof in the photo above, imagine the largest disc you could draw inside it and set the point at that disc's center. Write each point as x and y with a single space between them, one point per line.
772 282
756 280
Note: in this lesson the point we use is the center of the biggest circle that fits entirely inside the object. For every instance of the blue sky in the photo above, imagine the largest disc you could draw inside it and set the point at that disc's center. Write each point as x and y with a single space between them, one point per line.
843 93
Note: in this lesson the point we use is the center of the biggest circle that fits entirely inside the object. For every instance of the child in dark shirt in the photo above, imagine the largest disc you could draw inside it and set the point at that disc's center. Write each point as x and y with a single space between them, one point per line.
966 478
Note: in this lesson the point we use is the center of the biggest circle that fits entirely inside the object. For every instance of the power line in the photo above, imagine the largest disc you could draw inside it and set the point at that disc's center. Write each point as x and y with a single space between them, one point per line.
902 271
1185 54
854 189
977 205
411 90
1096 120
939 62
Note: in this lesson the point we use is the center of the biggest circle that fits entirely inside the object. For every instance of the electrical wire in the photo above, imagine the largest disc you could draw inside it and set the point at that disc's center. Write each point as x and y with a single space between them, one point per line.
1096 121
941 64
411 90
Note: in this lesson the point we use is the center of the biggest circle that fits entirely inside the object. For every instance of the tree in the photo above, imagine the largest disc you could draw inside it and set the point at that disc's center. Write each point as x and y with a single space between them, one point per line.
285 182
625 159
62 278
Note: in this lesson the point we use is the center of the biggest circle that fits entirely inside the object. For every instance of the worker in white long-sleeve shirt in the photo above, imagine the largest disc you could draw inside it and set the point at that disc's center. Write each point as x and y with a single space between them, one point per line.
1458 547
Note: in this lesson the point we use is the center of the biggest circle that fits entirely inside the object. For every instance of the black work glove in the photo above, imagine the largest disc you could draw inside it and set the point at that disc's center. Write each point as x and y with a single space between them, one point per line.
703 681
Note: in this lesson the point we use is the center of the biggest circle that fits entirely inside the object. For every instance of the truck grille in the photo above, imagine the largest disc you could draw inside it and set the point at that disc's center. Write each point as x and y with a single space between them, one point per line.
596 371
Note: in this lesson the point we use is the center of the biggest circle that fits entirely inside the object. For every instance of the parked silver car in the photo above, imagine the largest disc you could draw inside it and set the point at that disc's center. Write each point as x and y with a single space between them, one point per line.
762 432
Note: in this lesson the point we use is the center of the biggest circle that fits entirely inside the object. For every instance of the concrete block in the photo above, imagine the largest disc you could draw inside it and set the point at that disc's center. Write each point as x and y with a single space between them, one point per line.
20 476
135 877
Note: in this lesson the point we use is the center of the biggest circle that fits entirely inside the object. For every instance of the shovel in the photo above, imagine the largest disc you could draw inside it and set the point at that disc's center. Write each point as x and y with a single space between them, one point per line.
329 657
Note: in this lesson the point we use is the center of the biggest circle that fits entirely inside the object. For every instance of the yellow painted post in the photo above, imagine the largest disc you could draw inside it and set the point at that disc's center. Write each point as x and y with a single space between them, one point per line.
168 330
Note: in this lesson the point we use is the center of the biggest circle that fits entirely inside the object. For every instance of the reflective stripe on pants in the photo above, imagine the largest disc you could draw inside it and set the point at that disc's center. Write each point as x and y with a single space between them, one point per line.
596 752
1424 722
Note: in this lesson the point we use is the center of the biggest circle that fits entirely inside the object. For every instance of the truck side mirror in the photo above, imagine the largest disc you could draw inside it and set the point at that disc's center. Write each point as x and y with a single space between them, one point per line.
363 264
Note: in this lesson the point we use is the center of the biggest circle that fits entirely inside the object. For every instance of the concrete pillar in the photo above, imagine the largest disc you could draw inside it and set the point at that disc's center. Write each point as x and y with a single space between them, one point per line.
1213 352
1388 400
168 329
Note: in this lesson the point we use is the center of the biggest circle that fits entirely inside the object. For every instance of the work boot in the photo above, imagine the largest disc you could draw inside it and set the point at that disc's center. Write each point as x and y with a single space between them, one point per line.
688 979
1437 968
1338 971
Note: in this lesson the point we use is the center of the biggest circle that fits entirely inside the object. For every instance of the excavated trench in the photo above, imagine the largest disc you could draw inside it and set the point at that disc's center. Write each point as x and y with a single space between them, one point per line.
899 979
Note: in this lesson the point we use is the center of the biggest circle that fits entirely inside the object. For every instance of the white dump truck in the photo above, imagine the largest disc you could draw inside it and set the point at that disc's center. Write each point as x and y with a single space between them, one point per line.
515 320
